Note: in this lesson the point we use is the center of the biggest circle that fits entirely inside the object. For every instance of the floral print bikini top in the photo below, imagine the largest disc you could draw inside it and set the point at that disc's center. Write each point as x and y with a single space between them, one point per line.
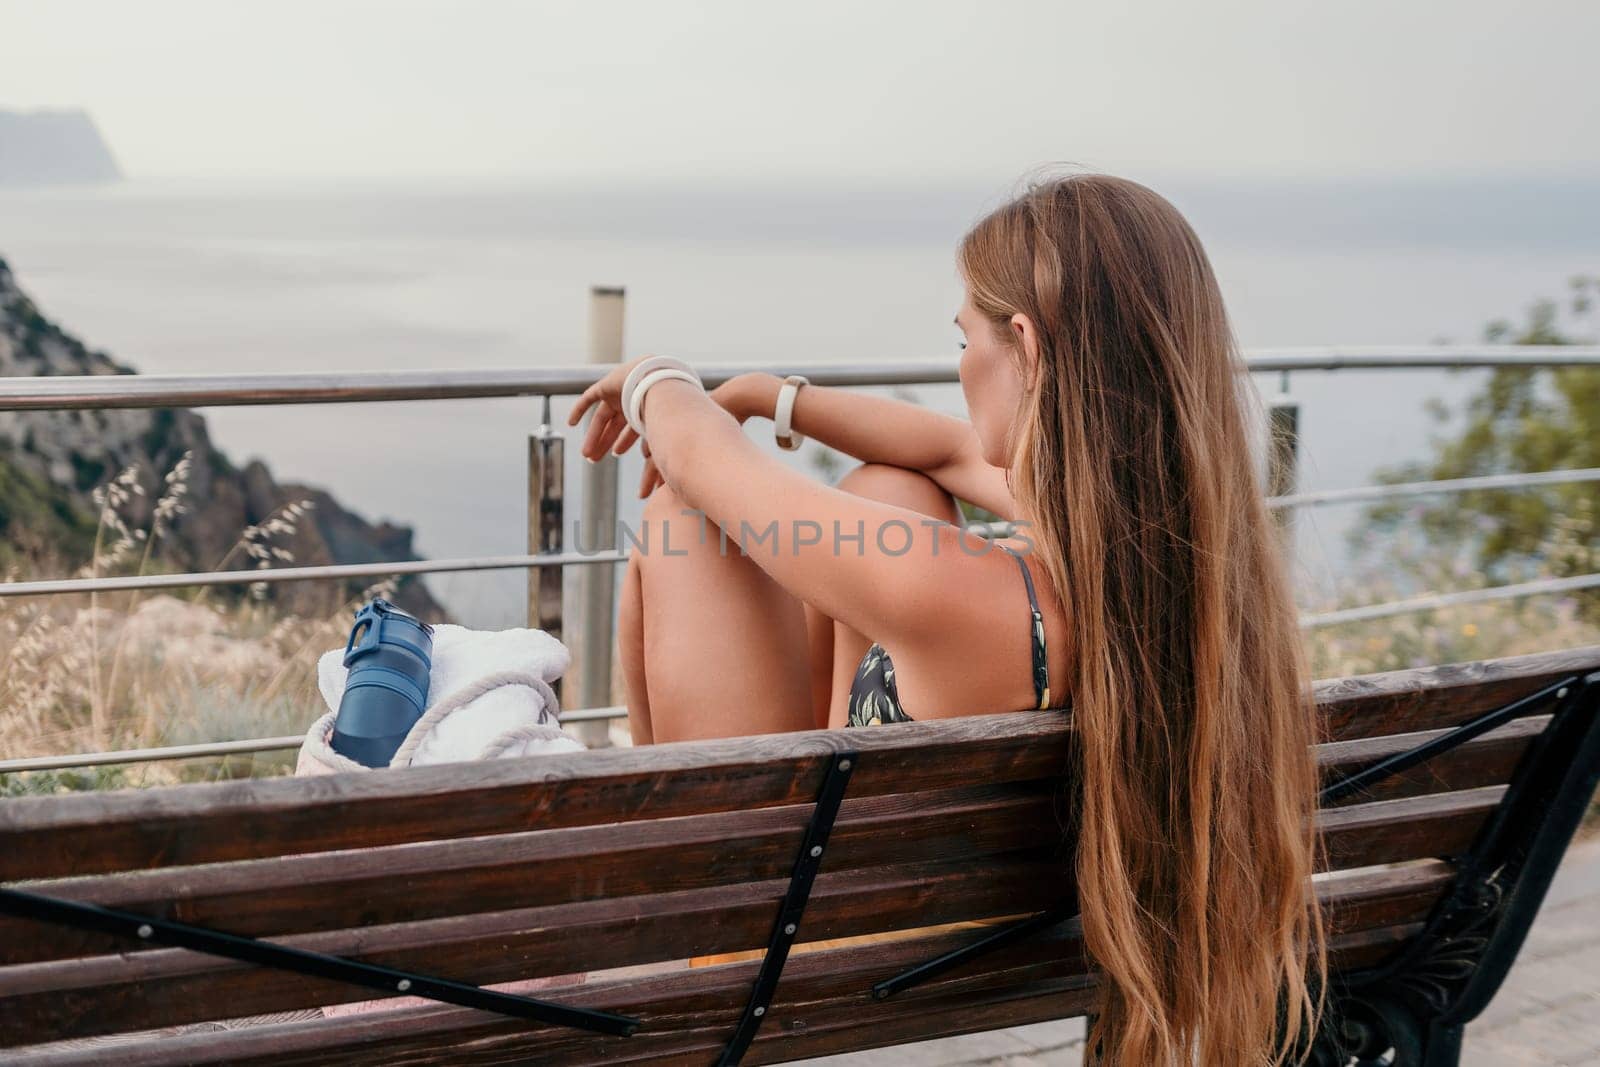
875 699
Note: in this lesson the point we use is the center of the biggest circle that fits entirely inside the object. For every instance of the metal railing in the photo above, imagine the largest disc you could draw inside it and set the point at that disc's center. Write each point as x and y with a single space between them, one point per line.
363 387
57 586
1434 601
546 560
218 749
1397 490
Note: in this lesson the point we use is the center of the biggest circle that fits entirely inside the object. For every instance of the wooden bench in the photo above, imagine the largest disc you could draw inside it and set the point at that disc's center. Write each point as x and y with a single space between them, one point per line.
622 864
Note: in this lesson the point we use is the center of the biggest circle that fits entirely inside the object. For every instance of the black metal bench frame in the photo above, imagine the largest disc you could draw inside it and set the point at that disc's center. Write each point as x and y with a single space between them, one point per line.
388 980
1411 1010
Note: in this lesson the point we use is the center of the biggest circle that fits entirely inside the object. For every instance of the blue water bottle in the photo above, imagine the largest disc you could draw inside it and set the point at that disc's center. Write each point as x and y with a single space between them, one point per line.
389 654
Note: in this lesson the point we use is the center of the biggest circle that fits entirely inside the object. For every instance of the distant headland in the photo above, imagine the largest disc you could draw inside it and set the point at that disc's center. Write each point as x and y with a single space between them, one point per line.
53 462
39 148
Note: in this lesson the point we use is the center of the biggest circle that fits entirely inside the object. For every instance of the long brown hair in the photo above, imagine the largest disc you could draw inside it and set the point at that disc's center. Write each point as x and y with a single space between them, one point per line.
1192 714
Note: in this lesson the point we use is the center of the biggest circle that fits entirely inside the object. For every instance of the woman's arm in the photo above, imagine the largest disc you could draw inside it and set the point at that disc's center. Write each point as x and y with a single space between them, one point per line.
873 429
876 429
886 571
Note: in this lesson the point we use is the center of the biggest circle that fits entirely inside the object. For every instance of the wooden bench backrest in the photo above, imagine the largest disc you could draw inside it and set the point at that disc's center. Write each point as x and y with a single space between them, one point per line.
617 859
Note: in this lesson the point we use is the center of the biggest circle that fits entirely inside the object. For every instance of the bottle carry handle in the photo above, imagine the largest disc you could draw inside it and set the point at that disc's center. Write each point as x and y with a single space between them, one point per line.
370 635
376 614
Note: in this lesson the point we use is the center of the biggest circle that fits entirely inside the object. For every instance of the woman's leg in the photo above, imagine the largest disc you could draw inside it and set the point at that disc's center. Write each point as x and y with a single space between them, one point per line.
891 485
711 646
630 647
819 635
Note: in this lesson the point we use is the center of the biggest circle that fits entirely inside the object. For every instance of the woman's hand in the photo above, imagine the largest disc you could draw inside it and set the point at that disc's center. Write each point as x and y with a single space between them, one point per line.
741 396
609 426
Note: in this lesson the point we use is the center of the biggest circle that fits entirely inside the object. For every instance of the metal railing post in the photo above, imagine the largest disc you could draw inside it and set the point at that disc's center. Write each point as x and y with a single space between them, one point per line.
1283 450
596 586
546 475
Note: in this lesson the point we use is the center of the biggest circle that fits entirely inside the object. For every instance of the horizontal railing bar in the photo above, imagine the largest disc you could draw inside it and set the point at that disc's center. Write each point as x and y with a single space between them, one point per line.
1450 600
1422 357
61 392
151 755
230 390
55 586
212 749
1444 485
58 586
615 711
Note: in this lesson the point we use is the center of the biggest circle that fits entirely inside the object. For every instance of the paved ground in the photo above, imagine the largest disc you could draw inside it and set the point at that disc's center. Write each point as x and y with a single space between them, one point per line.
1547 1014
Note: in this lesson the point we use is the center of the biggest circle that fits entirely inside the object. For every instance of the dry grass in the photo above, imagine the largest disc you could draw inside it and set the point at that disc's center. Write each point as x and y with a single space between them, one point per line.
138 669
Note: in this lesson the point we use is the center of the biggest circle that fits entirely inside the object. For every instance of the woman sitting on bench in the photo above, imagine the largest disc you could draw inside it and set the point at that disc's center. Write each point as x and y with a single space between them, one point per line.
1144 590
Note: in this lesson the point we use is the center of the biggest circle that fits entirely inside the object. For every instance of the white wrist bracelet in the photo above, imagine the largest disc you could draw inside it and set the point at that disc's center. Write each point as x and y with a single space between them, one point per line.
647 373
635 413
782 418
645 366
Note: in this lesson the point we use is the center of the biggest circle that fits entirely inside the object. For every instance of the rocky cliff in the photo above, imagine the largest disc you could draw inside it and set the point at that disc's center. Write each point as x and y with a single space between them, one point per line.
53 148
51 463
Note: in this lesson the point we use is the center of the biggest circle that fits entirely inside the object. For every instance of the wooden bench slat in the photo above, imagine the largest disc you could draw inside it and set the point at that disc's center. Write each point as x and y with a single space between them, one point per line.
1385 897
1487 760
1434 698
46 837
408 883
872 1025
1390 831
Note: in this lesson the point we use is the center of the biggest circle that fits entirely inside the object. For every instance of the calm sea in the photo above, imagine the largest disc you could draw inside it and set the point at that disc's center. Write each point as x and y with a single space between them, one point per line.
186 277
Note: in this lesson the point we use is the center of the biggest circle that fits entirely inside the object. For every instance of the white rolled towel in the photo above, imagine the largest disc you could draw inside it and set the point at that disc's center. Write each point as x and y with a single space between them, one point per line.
489 697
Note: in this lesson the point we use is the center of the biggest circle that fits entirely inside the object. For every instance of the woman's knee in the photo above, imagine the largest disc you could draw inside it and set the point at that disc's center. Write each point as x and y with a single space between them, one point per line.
672 528
901 487
663 503
667 517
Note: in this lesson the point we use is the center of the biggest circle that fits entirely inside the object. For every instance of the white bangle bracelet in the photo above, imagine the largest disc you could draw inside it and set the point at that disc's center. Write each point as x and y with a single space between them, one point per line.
783 416
637 375
635 412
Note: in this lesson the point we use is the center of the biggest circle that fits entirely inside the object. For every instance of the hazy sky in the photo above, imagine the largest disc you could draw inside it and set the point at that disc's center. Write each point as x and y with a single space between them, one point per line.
933 91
